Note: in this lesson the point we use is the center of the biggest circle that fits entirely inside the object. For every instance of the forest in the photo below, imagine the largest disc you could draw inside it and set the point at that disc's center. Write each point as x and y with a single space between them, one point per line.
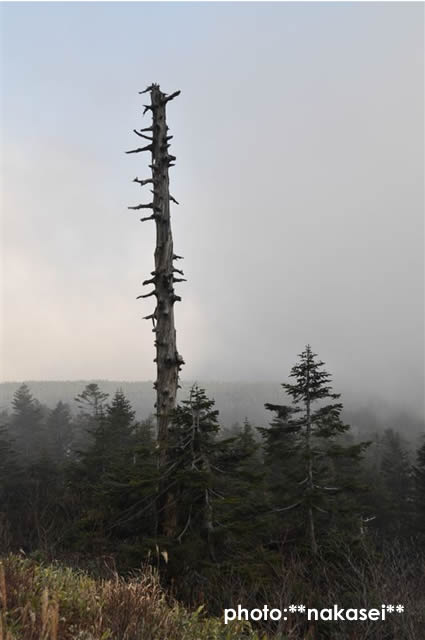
79 489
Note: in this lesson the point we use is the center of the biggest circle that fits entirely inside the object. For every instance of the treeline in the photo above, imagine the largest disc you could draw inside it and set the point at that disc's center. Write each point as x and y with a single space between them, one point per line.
243 500
235 400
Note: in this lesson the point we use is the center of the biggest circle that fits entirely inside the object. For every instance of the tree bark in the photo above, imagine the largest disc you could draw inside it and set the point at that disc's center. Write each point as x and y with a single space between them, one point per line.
168 360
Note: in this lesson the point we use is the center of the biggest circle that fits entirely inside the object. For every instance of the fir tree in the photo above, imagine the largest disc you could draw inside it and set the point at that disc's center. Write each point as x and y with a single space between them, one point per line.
26 425
211 480
91 403
9 471
395 514
192 441
60 432
284 471
104 476
305 440
239 507
419 490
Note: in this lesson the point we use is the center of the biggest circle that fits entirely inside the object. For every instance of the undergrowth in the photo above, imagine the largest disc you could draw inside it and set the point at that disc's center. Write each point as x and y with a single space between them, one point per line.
51 602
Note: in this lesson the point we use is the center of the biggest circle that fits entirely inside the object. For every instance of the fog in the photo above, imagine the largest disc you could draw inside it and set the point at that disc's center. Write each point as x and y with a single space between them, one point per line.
300 176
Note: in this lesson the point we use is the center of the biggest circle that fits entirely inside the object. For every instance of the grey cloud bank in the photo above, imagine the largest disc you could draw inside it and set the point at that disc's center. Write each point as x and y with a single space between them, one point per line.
299 143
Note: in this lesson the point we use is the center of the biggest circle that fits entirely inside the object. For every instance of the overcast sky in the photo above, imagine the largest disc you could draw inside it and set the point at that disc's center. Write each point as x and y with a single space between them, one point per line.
300 173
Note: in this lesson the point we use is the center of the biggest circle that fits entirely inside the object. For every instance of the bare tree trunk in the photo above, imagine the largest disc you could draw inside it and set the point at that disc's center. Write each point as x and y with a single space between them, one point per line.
163 278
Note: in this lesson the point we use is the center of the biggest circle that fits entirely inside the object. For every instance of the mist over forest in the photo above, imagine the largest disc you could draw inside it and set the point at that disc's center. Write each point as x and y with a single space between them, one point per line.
235 402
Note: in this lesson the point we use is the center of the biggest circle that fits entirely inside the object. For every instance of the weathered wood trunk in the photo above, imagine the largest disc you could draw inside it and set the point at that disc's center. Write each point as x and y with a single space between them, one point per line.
167 359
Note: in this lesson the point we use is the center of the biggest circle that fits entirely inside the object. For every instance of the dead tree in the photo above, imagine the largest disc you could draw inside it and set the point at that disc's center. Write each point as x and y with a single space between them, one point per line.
165 274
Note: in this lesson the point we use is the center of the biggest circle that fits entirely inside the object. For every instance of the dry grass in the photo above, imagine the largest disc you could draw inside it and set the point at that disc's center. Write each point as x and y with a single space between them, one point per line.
52 602
56 603
361 578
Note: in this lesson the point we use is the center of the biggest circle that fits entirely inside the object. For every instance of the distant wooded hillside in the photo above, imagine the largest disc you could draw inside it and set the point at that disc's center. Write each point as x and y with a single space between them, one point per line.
235 401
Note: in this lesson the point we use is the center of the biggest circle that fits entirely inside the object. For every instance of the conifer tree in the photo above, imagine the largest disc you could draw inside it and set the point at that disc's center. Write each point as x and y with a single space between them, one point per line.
59 432
240 507
398 484
26 425
212 479
111 439
91 403
283 472
419 479
10 475
91 400
305 441
134 488
191 454
105 478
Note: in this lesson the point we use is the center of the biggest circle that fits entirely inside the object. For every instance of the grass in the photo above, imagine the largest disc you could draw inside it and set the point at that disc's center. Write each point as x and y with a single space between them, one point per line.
51 602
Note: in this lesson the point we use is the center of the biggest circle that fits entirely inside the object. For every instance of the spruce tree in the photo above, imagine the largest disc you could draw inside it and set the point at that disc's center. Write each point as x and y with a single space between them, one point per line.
91 403
192 448
395 513
91 400
26 425
239 507
304 447
59 432
419 490
103 479
10 475
212 479
283 467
